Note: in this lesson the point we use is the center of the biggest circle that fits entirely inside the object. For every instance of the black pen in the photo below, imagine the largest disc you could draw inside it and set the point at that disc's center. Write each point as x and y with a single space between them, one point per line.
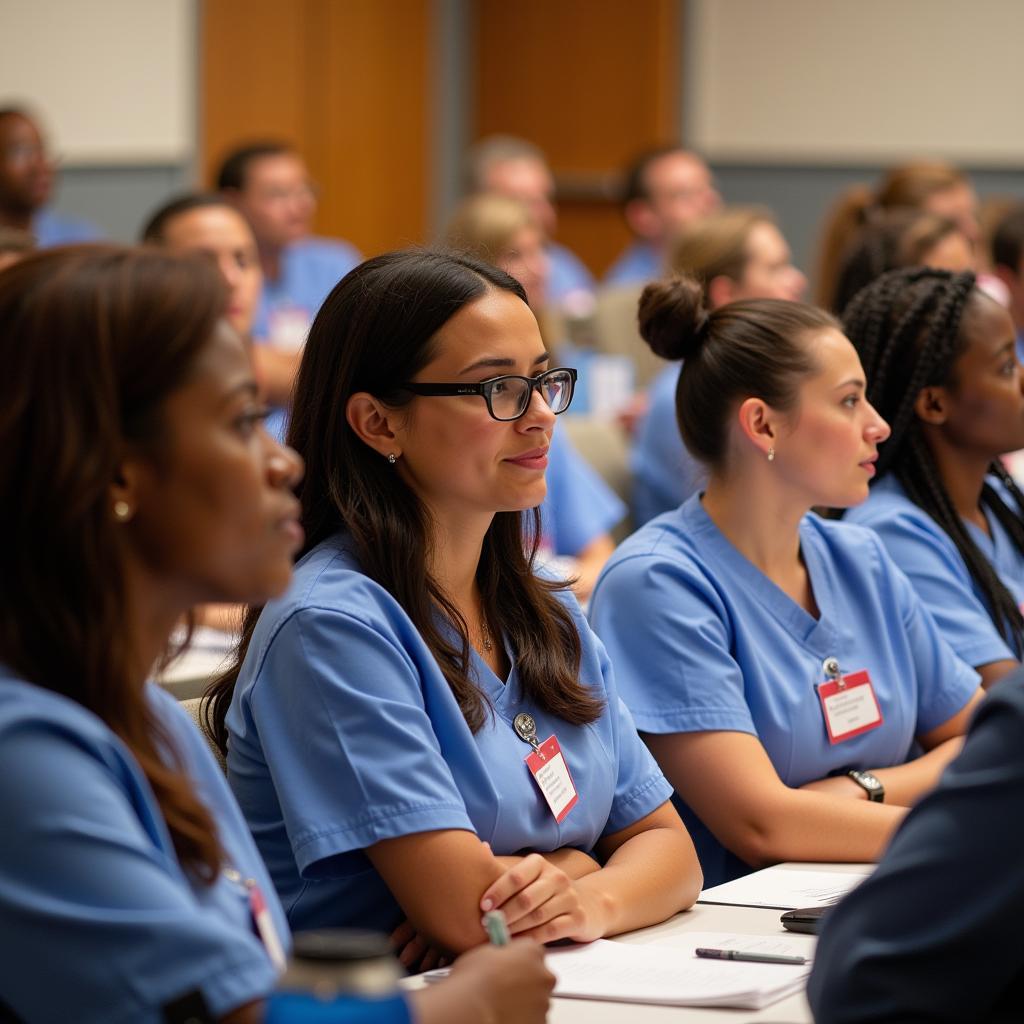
755 958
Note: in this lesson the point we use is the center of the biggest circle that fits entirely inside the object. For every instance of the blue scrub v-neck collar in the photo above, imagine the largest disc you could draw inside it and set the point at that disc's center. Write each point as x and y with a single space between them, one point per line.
714 545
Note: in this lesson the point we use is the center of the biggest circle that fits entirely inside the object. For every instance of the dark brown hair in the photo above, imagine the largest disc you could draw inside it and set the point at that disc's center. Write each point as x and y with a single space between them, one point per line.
909 328
741 350
374 332
93 340
909 185
889 240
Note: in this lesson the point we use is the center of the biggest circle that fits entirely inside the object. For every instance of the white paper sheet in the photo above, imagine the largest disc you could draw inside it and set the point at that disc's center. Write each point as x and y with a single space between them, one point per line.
670 974
784 888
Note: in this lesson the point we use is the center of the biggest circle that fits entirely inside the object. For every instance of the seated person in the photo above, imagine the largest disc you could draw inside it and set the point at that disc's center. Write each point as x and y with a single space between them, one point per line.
667 191
738 253
14 245
934 933
899 238
779 666
1008 267
390 721
580 509
503 165
149 486
942 368
270 185
932 186
27 174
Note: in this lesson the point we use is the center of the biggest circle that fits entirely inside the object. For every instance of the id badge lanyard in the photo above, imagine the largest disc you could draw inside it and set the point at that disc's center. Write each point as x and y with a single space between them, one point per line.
547 765
848 702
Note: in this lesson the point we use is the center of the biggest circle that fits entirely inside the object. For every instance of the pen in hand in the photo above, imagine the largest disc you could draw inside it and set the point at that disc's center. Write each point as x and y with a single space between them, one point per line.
496 927
755 958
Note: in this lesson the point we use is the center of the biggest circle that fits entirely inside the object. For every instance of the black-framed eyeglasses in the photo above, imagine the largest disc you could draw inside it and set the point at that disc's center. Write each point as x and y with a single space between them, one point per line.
508 397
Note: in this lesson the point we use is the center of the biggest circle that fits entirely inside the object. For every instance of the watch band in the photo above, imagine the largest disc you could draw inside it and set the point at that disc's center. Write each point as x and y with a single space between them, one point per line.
871 785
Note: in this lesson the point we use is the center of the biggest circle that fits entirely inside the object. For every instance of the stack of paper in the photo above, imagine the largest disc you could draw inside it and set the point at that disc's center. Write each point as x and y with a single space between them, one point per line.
670 974
785 888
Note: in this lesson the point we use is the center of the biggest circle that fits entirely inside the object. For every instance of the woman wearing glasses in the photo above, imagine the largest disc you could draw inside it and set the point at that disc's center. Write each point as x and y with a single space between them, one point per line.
423 729
149 485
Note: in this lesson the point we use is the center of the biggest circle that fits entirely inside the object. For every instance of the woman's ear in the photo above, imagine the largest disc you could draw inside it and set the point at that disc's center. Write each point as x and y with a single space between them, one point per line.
373 423
758 423
932 405
124 493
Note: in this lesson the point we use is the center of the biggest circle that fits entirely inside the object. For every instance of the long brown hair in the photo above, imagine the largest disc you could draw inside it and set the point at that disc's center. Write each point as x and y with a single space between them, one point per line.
93 340
909 185
375 331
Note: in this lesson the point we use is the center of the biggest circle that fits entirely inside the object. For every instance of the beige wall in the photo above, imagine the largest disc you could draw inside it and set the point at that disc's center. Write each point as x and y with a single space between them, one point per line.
114 80
856 81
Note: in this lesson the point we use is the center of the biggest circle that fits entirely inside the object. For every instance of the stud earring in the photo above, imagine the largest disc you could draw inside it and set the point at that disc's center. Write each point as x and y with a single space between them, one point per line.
392 458
771 454
122 511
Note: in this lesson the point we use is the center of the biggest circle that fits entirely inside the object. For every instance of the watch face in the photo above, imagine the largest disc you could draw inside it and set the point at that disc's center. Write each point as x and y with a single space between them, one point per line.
871 782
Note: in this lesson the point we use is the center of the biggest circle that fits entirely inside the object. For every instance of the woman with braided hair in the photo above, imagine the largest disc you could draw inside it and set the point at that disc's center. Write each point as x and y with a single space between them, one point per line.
941 367
779 666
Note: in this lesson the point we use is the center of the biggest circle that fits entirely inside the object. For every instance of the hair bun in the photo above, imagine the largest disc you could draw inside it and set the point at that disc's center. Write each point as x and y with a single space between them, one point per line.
673 320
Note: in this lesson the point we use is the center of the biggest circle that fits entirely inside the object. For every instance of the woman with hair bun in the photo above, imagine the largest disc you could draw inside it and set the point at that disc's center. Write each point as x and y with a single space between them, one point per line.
779 666
737 253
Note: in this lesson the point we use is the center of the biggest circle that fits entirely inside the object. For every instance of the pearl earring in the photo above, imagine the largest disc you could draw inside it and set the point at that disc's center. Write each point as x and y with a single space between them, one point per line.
771 454
122 511
392 458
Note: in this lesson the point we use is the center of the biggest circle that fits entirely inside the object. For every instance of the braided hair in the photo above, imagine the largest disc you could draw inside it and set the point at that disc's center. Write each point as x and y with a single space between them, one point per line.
907 327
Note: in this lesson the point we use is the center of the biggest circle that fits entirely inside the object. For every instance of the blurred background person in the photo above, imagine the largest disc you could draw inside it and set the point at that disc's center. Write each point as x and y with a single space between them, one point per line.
27 173
513 167
14 245
1007 259
900 237
667 190
738 253
934 186
270 185
580 509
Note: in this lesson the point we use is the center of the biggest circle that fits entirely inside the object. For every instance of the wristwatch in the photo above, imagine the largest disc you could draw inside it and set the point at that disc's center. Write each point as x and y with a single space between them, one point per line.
870 784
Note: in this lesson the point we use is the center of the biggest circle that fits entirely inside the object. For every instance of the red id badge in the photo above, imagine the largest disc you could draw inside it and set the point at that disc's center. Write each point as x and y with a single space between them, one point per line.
551 773
849 706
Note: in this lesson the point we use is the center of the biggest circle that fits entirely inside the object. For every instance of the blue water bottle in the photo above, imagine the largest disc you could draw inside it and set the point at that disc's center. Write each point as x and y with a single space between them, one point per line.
339 976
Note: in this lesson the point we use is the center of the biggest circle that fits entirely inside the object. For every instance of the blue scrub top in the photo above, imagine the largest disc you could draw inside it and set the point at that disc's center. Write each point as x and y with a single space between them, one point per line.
579 506
344 732
665 474
566 273
310 268
702 640
927 554
636 264
101 922
51 228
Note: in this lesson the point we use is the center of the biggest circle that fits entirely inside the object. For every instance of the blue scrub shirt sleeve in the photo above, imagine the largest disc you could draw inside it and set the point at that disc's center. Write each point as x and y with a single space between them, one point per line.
931 561
349 739
945 682
667 634
99 917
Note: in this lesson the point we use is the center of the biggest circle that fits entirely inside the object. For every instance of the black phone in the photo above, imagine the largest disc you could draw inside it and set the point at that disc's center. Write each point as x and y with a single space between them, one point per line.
805 919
